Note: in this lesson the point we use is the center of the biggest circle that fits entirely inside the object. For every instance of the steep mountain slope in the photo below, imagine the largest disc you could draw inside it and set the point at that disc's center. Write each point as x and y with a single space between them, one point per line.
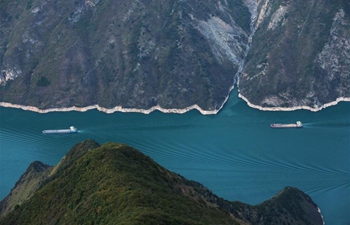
116 184
299 54
26 186
135 53
38 174
174 54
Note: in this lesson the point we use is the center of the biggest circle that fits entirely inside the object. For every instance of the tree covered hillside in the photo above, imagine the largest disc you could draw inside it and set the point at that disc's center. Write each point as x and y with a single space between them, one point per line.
116 184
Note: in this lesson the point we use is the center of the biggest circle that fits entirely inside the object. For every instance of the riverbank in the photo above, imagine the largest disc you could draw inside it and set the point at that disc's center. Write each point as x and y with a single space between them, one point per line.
118 108
340 99
112 110
205 148
319 211
177 111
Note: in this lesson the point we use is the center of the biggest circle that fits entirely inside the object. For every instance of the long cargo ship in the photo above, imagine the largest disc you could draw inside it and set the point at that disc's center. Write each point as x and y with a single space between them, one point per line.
62 131
298 124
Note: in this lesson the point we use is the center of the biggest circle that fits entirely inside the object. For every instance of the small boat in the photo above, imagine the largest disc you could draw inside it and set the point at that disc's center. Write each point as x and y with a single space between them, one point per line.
298 124
71 130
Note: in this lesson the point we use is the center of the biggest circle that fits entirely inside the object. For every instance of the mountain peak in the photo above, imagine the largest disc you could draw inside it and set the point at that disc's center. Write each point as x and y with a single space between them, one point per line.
117 184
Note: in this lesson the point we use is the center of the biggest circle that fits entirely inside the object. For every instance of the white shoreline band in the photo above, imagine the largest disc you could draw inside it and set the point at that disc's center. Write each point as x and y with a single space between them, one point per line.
340 99
177 111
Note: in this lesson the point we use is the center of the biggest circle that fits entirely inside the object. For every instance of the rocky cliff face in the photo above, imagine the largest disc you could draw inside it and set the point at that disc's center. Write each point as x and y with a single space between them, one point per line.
136 54
116 184
299 54
174 54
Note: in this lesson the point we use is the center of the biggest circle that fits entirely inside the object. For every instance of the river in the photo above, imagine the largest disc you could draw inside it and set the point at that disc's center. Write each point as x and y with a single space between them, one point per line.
234 153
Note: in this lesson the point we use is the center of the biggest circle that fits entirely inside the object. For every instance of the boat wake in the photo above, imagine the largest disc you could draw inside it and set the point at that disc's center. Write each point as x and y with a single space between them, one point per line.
327 125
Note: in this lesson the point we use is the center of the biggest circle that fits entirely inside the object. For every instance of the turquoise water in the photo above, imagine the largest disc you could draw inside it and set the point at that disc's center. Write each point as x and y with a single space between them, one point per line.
235 153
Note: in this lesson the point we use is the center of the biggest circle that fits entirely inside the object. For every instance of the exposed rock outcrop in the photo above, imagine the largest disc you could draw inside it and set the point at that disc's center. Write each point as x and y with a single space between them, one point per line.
134 54
173 55
299 57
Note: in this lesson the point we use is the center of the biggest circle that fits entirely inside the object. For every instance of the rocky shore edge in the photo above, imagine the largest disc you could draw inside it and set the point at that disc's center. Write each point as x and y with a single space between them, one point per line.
340 99
319 211
177 111
108 111
118 108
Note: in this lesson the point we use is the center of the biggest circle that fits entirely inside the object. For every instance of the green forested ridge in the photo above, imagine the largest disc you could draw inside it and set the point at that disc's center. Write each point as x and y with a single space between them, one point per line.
35 177
116 184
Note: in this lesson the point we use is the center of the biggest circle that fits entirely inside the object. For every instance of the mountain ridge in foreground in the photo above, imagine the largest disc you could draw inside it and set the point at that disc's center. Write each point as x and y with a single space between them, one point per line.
116 184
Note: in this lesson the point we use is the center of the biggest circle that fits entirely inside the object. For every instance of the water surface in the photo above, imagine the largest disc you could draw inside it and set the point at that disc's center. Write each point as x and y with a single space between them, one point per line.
235 153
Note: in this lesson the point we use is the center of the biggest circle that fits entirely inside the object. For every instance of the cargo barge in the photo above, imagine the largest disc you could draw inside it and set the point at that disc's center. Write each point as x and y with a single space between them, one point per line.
62 131
298 124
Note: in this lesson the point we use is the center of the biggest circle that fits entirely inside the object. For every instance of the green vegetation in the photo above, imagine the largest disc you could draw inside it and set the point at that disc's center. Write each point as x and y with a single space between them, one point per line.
240 13
27 185
116 184
43 82
29 4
